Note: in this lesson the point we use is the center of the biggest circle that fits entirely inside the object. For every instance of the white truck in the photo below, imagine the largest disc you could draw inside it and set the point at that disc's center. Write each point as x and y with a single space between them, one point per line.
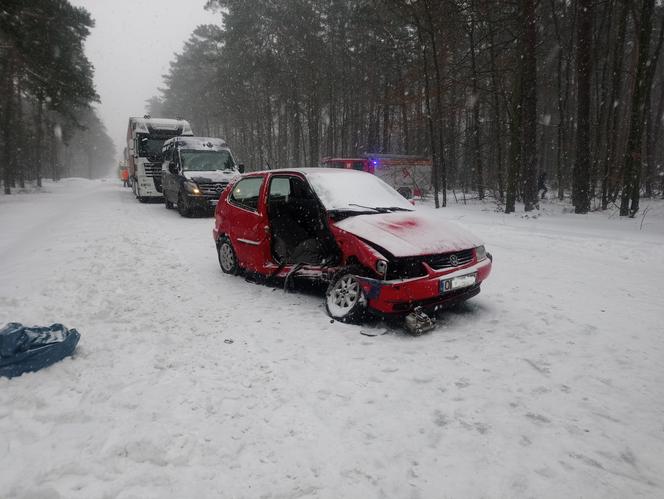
145 138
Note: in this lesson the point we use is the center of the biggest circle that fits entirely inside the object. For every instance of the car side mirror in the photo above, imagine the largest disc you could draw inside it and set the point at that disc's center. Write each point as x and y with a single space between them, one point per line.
172 168
240 168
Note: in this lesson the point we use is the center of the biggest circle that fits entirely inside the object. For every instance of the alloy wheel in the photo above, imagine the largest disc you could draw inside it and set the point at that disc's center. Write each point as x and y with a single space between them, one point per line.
226 257
346 292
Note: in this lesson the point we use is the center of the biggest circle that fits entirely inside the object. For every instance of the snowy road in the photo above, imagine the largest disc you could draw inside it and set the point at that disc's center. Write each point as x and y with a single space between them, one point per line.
549 384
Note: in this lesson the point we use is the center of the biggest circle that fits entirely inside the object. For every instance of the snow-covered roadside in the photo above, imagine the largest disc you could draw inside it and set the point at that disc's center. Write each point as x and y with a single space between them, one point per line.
548 384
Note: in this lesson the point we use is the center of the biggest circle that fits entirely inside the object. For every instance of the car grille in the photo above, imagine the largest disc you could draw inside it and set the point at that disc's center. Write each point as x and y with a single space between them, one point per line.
407 268
212 189
446 260
152 169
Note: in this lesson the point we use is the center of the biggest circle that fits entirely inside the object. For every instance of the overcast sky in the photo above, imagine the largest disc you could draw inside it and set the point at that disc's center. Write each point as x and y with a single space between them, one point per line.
131 46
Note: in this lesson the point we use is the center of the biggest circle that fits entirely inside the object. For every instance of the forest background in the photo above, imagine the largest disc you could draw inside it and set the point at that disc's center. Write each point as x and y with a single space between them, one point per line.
496 93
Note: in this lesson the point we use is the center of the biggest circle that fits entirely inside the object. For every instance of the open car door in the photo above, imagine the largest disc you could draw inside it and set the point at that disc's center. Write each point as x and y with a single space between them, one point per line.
249 230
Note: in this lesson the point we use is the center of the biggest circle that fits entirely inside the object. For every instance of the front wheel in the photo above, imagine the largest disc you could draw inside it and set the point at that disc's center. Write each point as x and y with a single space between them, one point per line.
345 300
183 206
227 258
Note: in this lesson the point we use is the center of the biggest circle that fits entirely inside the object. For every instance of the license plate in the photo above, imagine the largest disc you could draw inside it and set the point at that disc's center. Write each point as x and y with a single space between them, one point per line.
214 202
462 281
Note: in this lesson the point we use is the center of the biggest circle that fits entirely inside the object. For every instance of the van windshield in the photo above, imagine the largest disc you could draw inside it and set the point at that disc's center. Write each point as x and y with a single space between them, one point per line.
206 161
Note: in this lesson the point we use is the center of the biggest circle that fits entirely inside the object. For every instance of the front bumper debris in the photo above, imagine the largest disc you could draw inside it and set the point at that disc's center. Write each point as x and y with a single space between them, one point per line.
417 322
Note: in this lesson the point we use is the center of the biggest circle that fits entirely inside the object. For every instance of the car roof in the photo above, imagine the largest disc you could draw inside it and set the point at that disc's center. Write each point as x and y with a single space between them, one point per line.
342 183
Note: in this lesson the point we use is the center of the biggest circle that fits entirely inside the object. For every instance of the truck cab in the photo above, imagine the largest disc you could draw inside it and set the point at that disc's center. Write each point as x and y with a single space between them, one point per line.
145 138
194 172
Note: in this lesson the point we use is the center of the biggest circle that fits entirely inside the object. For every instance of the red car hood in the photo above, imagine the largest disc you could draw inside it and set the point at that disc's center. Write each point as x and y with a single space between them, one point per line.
412 233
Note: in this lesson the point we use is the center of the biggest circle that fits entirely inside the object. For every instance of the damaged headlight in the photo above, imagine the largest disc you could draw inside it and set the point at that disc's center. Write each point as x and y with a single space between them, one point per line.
381 267
480 251
191 187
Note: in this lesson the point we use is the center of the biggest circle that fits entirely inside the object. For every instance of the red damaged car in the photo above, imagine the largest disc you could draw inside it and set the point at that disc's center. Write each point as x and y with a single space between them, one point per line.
348 228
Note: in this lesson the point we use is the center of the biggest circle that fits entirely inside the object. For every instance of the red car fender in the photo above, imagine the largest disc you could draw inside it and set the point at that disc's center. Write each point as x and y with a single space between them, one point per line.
220 222
354 248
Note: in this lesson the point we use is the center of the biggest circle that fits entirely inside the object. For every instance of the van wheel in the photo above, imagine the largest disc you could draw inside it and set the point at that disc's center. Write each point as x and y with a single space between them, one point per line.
227 258
183 207
344 299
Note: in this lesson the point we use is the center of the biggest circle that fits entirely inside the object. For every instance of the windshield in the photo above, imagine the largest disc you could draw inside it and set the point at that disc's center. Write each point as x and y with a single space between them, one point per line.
348 190
206 161
149 148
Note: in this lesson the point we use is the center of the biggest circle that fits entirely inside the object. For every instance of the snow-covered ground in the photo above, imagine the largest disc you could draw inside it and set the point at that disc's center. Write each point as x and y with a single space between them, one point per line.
191 383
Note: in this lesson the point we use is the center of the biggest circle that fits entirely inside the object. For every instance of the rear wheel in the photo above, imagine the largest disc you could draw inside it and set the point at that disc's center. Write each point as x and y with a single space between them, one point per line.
345 300
227 258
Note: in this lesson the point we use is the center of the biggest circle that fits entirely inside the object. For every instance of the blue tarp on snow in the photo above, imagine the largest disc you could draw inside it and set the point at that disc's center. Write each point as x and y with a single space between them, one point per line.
26 349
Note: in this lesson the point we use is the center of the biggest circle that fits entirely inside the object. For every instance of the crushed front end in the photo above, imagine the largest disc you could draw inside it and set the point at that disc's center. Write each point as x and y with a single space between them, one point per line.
431 287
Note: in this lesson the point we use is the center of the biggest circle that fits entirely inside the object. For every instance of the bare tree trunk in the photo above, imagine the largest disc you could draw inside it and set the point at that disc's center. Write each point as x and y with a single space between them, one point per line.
432 136
657 119
18 160
601 94
513 171
629 202
39 142
8 137
650 74
529 125
439 169
404 116
496 116
295 117
313 120
477 153
581 193
386 118
53 151
615 106
268 126
568 122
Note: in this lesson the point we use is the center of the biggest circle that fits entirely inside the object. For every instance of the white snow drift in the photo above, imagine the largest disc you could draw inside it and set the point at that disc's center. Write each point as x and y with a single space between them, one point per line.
191 383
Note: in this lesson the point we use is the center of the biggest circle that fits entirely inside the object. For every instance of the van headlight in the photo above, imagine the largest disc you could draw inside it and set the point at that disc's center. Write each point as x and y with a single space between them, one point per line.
191 187
381 267
480 251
